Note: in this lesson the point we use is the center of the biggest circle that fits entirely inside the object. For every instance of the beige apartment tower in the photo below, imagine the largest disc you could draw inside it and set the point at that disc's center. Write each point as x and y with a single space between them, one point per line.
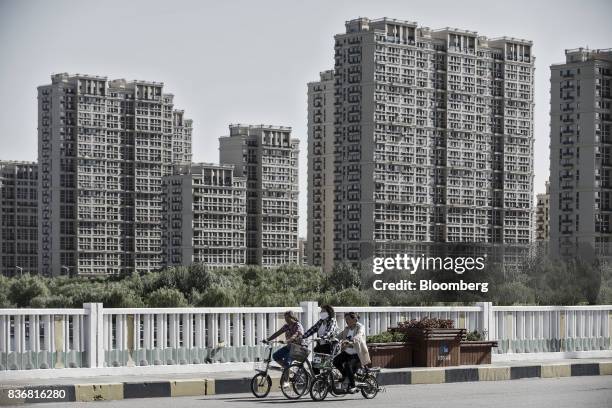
432 141
204 216
18 218
104 146
267 156
581 152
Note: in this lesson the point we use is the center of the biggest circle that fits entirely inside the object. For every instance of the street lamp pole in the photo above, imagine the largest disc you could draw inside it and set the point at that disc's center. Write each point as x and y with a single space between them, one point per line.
67 269
20 270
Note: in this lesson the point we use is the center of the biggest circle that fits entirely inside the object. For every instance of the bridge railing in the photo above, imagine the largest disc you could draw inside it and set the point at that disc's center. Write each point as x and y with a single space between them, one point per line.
43 338
95 336
540 329
188 335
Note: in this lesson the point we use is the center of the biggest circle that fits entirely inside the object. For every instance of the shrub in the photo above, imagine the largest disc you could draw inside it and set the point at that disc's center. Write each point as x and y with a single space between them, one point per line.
25 288
342 277
166 297
427 323
475 336
387 337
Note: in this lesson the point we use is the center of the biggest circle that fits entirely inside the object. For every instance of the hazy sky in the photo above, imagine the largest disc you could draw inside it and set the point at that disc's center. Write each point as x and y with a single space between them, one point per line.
249 61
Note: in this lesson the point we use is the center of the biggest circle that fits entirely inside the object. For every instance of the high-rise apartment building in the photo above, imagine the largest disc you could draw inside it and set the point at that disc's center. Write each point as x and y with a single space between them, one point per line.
581 152
542 230
104 146
320 239
18 218
432 142
204 216
267 156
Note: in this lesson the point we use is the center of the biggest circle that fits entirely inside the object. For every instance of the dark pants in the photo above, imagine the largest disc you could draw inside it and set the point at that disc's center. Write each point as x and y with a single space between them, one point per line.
323 349
347 364
281 356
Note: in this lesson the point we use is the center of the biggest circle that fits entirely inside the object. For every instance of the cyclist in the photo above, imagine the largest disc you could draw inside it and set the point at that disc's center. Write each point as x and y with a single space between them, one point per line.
293 334
325 328
354 350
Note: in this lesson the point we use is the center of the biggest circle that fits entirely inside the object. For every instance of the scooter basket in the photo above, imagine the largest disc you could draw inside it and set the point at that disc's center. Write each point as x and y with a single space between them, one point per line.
321 360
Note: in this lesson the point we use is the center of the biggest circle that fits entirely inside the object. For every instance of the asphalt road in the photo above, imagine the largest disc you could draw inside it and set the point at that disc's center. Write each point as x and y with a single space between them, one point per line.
569 392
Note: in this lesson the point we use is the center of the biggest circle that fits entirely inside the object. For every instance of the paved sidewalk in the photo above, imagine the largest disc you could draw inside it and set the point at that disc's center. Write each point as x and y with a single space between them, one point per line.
117 387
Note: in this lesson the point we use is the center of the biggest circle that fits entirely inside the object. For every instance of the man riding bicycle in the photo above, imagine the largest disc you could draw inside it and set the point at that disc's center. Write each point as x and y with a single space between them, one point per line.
293 335
354 350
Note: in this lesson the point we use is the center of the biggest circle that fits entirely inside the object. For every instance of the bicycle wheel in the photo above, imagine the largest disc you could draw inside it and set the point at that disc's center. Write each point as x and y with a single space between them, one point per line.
260 385
319 388
295 381
370 389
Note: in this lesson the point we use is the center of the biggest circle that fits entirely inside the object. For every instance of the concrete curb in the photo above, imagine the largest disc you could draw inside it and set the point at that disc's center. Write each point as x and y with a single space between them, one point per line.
209 386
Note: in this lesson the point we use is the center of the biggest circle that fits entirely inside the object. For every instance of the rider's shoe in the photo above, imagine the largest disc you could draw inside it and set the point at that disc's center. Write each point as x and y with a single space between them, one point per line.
352 390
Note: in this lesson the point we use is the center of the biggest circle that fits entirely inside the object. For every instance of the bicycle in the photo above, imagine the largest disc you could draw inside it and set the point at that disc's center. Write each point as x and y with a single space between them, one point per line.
261 383
297 378
326 382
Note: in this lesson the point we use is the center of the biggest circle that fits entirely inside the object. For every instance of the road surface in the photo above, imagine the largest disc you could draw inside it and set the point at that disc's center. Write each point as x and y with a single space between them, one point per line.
568 392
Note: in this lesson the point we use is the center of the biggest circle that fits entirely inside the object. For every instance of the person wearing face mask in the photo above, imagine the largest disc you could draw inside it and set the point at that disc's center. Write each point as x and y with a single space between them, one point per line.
325 328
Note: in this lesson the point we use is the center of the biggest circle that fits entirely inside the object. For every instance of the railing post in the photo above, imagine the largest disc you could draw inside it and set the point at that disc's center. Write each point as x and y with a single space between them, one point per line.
486 318
309 313
100 357
93 332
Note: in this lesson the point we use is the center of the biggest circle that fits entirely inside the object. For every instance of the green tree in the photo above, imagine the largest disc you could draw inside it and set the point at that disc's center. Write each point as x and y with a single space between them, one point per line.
52 301
343 276
25 288
166 297
346 297
121 296
5 288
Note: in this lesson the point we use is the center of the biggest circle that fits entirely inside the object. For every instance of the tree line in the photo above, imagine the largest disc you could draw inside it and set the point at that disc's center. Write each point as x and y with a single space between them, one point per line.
538 280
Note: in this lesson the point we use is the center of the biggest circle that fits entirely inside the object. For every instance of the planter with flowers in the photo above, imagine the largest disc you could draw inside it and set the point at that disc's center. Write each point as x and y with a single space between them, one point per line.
389 350
434 342
475 349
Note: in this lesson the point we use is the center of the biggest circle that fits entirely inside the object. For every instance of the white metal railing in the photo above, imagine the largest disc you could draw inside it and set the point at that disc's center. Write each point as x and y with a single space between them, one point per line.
42 338
104 337
188 335
530 329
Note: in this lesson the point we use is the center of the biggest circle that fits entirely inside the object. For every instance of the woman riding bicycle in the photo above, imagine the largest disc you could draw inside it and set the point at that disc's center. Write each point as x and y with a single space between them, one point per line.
326 327
354 349
293 334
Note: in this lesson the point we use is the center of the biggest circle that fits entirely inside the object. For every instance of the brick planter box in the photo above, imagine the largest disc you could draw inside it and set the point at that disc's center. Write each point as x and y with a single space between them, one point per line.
476 352
434 347
390 355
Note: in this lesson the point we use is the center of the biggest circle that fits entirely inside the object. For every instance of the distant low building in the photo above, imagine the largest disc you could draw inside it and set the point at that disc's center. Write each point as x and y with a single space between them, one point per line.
542 215
303 250
18 218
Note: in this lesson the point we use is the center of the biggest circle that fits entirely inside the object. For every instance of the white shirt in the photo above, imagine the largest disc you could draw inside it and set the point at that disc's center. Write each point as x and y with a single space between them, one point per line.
322 330
350 349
